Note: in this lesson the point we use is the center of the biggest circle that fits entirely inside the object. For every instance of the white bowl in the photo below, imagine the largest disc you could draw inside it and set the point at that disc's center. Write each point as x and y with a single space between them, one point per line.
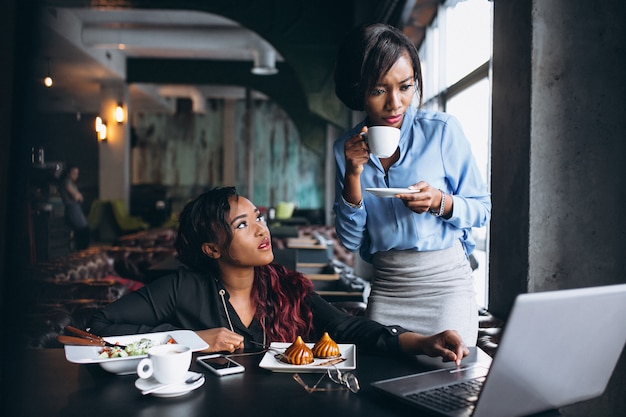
128 365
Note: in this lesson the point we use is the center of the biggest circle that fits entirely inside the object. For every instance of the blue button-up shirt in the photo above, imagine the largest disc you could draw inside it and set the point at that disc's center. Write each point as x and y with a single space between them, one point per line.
433 148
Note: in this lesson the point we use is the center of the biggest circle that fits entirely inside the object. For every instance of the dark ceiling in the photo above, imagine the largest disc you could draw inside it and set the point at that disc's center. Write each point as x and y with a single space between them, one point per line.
304 34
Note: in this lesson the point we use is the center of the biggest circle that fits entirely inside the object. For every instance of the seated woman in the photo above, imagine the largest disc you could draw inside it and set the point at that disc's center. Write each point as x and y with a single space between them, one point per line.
233 296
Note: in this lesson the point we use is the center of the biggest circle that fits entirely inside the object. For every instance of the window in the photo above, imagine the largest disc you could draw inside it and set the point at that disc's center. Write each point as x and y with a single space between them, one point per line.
456 55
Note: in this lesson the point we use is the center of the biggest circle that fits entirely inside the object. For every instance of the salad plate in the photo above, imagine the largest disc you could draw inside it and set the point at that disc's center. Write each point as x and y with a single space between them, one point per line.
270 362
128 364
391 192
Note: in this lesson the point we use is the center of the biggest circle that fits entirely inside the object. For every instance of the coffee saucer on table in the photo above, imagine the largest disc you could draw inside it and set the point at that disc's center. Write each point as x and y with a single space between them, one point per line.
173 390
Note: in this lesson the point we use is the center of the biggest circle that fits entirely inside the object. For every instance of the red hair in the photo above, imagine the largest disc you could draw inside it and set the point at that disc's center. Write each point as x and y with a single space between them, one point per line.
281 308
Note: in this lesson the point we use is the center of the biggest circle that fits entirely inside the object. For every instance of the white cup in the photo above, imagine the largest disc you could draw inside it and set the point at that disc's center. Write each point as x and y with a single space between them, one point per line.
382 140
168 363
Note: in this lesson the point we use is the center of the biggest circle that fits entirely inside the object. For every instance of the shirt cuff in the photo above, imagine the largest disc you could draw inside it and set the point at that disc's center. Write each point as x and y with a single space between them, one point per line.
393 342
354 206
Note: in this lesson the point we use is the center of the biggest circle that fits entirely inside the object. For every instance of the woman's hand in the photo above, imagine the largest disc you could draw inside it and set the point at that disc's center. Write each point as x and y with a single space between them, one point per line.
447 344
429 198
357 153
221 340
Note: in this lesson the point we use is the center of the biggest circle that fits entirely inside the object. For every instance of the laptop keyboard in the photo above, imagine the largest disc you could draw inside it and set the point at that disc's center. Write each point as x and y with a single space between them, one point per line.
451 397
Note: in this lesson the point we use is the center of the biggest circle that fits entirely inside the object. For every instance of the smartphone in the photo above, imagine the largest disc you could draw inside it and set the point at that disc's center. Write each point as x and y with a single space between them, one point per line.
220 365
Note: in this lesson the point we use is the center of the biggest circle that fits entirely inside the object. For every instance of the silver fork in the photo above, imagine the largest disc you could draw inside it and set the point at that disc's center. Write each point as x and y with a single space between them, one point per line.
279 353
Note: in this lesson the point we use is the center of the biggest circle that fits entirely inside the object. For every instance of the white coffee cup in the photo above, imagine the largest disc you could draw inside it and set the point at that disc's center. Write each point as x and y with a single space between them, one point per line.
167 364
382 140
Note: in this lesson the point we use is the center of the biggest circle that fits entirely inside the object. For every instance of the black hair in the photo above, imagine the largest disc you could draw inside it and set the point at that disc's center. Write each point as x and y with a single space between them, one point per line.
67 170
204 220
367 53
279 293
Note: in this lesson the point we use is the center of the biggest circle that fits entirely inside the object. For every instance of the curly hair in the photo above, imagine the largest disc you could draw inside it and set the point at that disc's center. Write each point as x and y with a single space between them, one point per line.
278 293
204 220
279 297
367 53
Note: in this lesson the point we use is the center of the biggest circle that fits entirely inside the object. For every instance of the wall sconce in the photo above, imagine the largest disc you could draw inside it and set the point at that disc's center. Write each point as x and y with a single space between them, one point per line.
101 129
48 80
120 114
102 133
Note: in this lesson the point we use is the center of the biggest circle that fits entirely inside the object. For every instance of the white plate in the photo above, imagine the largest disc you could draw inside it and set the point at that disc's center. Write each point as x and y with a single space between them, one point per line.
270 362
174 390
128 365
390 192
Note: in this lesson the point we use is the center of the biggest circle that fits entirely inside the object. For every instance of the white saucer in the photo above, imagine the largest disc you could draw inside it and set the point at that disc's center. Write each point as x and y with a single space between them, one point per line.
390 192
171 391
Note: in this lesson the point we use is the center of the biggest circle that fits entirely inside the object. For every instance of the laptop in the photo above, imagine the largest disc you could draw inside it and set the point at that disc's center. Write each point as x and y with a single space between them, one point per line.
558 348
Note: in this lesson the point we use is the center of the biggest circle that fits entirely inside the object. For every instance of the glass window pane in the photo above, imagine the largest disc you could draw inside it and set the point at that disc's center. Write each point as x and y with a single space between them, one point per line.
472 108
468 38
431 65
457 42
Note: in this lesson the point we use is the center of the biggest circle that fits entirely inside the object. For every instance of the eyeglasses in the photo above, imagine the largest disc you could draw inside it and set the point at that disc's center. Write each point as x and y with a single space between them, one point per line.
347 380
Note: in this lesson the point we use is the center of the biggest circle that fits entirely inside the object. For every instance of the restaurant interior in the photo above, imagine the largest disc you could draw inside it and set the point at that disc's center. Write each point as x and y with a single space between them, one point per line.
158 100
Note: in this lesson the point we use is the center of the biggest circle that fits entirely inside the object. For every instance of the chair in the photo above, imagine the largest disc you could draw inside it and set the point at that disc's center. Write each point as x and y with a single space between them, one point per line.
171 222
126 222
96 211
284 210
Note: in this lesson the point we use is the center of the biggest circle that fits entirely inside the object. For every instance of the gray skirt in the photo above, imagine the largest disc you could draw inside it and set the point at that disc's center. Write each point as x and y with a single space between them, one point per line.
426 292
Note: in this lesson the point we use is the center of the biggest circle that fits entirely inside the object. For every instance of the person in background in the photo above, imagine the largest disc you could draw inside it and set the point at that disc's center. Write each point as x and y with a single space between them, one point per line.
418 242
74 216
234 297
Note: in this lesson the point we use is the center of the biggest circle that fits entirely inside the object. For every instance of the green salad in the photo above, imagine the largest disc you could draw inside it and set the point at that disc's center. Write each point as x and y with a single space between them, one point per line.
137 348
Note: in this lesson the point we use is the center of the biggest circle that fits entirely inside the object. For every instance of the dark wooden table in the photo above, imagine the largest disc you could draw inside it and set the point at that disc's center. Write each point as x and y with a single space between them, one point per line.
56 387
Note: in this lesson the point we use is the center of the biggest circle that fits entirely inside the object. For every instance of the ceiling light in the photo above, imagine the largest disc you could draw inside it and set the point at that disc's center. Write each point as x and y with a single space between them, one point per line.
48 80
264 62
264 70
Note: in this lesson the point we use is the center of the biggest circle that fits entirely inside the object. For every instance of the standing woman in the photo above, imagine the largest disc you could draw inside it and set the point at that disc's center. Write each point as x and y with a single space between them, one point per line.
418 243
74 216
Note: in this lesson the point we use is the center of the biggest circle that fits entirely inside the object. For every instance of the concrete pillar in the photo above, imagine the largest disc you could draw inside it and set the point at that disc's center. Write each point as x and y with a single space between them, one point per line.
559 157
578 149
332 134
558 152
510 153
114 153
228 143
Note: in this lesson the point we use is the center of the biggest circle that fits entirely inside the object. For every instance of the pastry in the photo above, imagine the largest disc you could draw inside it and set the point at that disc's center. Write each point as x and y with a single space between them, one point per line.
326 348
298 353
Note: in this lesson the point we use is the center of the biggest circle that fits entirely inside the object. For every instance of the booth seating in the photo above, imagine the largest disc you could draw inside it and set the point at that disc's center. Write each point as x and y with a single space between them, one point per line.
68 289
